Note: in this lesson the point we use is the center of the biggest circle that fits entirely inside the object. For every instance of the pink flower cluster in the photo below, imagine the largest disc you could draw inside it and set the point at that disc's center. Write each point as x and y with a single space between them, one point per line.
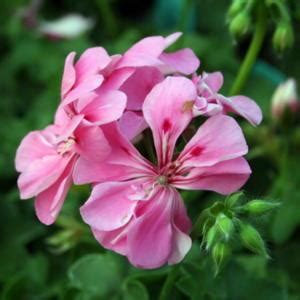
135 208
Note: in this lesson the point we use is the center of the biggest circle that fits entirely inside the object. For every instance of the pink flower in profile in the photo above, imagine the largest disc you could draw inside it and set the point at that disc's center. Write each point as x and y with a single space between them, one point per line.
210 102
46 159
135 208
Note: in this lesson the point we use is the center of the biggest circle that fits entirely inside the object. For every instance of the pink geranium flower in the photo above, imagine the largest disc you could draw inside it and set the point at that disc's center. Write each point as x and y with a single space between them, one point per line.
135 208
210 102
46 159
100 86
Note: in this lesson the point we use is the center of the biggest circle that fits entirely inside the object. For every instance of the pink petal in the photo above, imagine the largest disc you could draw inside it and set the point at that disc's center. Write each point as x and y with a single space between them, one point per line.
182 243
41 174
214 80
49 202
115 240
91 143
168 110
92 61
172 38
150 235
69 75
183 61
245 107
88 84
87 171
219 138
132 124
123 152
139 85
69 127
105 108
117 78
225 177
109 206
181 227
33 146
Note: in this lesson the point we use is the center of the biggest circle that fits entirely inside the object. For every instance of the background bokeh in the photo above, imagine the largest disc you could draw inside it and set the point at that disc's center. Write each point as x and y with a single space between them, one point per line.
63 261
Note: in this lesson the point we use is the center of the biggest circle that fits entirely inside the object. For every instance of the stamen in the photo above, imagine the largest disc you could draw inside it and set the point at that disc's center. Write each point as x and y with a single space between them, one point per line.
188 106
66 146
162 180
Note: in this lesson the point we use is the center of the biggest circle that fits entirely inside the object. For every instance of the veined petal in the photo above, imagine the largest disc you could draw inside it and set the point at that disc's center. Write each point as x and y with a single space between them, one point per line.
91 62
123 152
181 228
69 75
214 80
41 174
91 143
115 240
33 146
182 243
168 110
225 177
183 61
109 206
105 108
244 106
150 235
139 85
49 202
132 124
88 84
220 138
87 171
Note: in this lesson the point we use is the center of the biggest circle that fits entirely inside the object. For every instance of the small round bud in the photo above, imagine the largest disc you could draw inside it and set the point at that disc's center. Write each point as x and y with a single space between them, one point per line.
236 7
220 254
285 98
240 24
283 37
259 207
233 199
252 240
225 226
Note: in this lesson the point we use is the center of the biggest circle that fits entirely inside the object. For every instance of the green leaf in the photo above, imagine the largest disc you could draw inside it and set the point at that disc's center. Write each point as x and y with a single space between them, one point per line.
134 290
96 273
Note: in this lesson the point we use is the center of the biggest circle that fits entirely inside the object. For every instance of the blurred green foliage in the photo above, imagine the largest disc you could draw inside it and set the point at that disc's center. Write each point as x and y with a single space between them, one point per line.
64 261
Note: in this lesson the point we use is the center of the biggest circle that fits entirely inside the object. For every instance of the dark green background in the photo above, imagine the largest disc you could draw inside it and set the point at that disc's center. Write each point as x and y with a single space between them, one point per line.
63 261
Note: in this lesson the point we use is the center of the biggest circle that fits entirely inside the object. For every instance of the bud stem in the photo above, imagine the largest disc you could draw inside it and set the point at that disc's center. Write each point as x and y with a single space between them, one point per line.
253 51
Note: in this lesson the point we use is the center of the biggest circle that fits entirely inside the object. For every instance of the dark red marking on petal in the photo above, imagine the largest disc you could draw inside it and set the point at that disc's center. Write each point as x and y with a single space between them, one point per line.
196 151
167 125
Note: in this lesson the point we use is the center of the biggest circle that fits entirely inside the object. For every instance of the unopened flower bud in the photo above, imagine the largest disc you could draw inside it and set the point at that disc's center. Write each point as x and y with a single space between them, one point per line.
240 24
252 240
225 226
236 7
211 236
285 98
220 253
283 37
233 199
259 207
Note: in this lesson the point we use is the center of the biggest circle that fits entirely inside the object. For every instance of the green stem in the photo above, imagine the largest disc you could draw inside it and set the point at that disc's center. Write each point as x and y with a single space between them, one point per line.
184 15
252 53
108 17
168 286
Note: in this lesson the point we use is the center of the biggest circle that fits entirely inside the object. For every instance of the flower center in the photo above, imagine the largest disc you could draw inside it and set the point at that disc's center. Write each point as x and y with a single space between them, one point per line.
162 179
66 146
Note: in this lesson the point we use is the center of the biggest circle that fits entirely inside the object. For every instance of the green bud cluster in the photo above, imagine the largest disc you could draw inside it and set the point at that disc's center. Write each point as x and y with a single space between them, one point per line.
239 17
224 222
242 15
